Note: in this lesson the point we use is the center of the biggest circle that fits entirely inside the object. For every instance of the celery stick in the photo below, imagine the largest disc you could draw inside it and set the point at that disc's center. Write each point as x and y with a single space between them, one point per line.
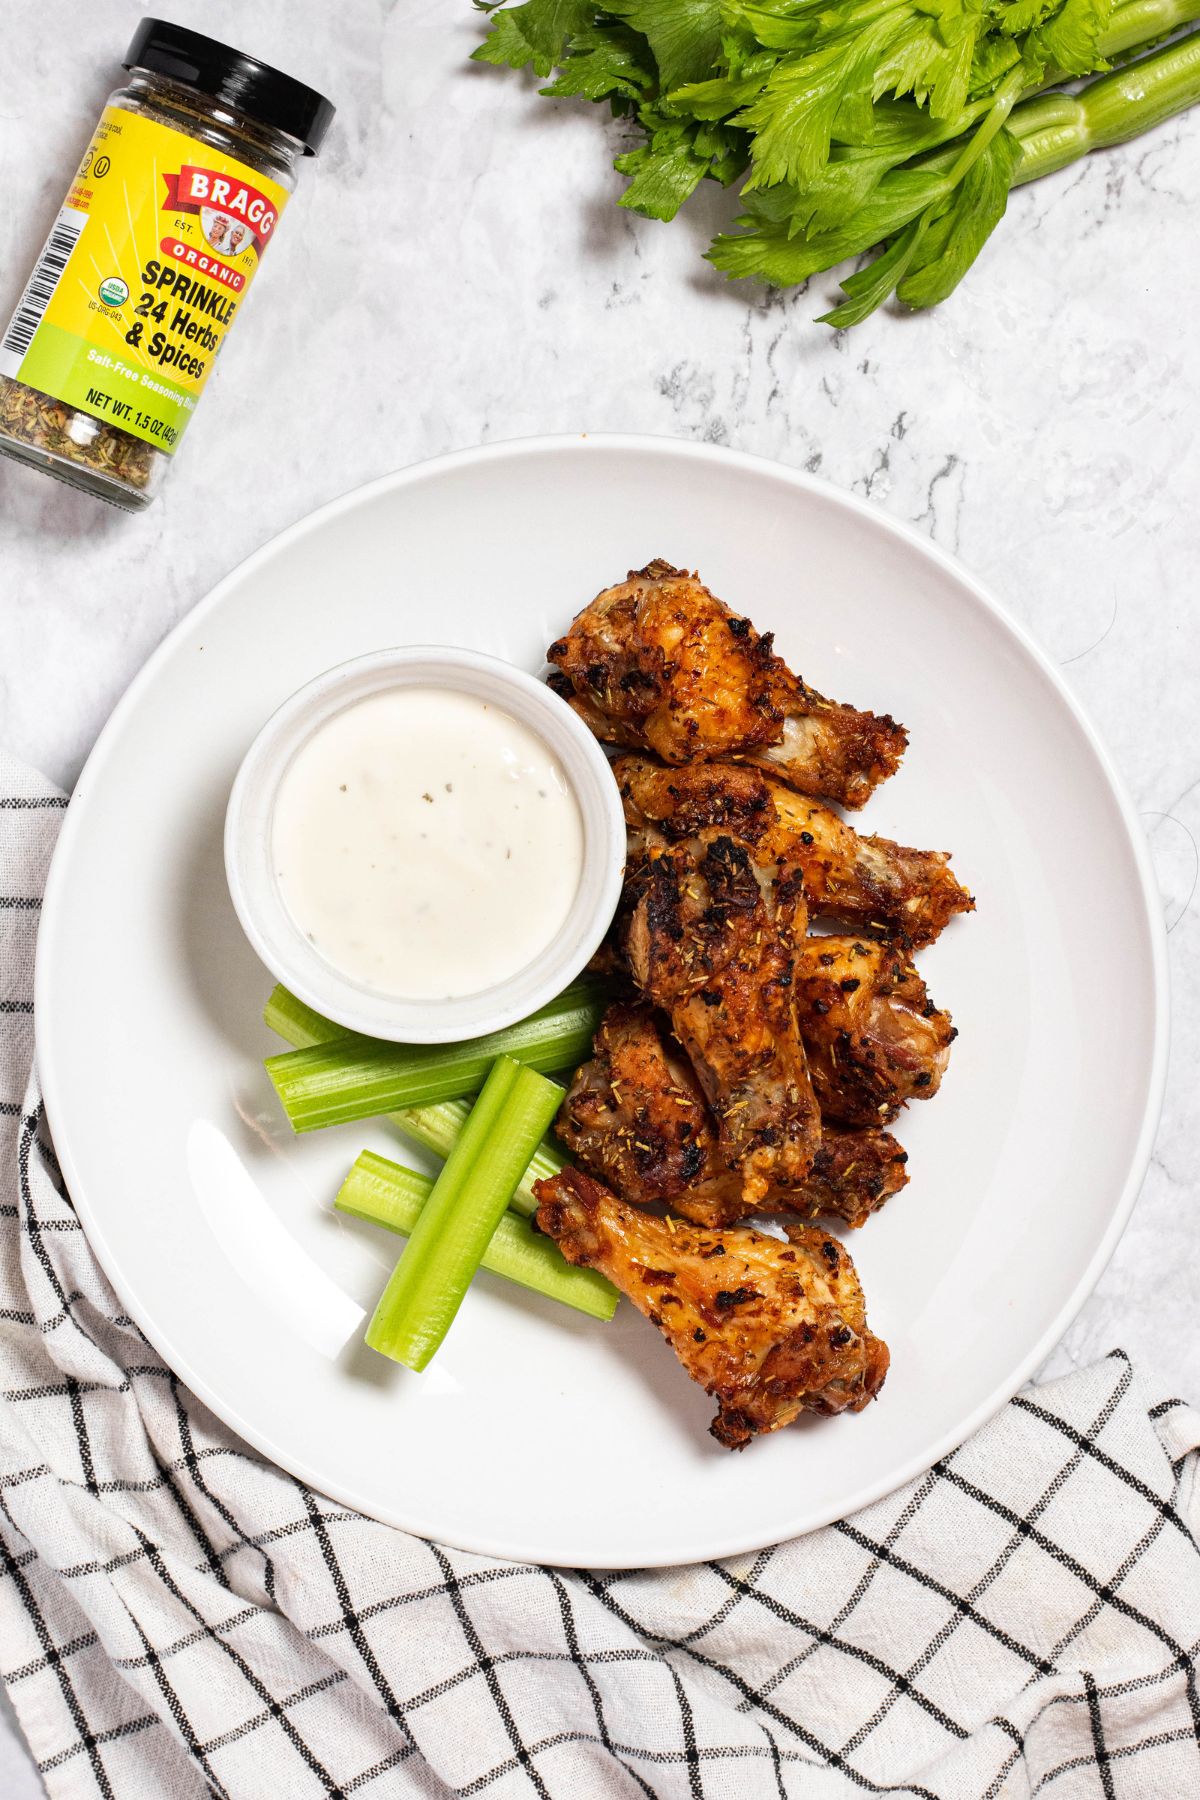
435 1127
438 1128
296 1023
357 1078
468 1200
386 1194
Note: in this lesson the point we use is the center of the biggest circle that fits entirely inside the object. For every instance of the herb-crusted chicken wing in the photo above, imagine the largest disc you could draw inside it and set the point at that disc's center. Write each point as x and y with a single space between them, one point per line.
635 1117
873 1036
702 944
866 882
659 663
769 1329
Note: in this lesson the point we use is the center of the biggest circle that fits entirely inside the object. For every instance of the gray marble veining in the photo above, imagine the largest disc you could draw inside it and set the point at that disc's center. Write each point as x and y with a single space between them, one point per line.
454 270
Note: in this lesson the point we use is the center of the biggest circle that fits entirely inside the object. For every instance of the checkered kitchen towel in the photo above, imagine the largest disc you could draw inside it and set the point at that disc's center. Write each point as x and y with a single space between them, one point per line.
179 1618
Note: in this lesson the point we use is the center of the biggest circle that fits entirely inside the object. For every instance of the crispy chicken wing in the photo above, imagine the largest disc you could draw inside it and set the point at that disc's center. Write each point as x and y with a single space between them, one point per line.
657 662
703 945
867 882
768 1329
873 1036
635 1116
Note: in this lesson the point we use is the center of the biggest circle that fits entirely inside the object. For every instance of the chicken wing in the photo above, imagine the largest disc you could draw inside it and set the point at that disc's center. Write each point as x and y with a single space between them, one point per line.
657 662
873 1036
634 1116
702 945
866 882
768 1329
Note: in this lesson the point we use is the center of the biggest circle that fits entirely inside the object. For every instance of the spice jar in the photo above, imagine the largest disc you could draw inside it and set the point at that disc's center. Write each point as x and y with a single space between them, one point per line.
150 260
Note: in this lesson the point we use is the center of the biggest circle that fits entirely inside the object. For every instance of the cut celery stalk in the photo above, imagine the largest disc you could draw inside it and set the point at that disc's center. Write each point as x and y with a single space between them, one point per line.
385 1193
297 1024
391 1196
435 1127
438 1128
467 1202
349 1077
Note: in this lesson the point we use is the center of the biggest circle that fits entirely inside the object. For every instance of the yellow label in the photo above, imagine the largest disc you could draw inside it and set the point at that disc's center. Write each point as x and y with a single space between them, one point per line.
144 271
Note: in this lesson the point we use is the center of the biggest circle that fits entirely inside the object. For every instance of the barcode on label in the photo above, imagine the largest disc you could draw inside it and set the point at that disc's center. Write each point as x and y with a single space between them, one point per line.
39 289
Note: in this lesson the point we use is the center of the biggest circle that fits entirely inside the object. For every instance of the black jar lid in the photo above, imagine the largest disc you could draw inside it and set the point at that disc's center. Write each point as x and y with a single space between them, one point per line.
242 82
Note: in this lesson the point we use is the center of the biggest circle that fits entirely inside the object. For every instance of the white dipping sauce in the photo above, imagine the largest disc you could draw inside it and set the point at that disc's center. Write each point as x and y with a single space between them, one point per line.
427 843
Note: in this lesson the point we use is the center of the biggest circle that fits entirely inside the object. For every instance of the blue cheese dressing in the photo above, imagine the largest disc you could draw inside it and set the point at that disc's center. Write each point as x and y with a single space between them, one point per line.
427 843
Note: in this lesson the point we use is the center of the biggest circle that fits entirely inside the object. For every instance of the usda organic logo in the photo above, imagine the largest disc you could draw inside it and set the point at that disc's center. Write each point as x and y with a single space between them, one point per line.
113 291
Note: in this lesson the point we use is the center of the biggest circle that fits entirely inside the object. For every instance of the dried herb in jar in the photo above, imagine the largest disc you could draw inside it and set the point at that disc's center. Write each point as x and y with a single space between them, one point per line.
45 424
149 260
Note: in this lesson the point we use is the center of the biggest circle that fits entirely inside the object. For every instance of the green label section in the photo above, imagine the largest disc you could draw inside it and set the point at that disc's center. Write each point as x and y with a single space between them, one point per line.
108 386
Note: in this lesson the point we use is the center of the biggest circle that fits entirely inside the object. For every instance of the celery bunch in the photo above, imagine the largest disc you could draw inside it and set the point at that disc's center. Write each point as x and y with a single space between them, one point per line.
894 126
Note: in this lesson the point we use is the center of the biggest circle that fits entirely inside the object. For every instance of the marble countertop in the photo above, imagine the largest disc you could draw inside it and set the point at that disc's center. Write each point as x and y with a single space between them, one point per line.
454 270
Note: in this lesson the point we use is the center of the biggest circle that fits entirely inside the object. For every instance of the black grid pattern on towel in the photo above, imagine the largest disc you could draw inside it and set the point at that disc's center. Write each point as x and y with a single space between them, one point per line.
177 1617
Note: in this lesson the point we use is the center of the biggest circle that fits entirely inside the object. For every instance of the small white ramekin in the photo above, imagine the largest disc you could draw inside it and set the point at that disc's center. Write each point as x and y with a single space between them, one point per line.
283 947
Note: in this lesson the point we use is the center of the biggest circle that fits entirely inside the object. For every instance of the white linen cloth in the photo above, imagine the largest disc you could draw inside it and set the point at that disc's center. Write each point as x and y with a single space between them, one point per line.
179 1618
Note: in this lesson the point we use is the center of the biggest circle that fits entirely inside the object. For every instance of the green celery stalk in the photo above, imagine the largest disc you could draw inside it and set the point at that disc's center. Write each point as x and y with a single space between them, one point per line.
349 1077
439 1127
1131 26
1052 130
1136 23
1057 129
467 1202
435 1127
297 1024
384 1193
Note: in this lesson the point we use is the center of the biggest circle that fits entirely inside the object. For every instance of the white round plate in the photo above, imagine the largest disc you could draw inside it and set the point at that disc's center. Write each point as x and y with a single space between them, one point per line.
536 1433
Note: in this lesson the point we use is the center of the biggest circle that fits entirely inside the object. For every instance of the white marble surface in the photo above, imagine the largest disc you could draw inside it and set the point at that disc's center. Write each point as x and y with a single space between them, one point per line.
454 270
